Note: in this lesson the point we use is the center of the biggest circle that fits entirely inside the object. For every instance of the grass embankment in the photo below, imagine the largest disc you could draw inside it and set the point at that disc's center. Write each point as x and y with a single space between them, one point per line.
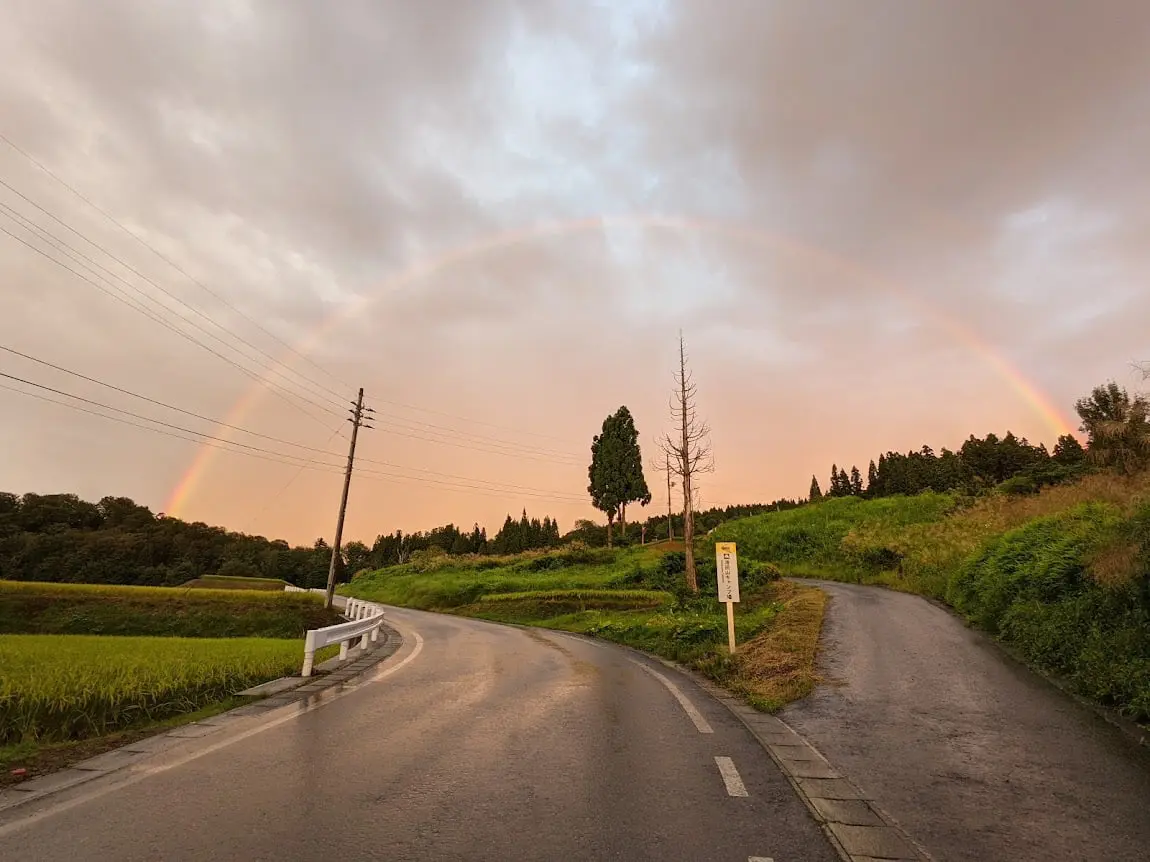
631 596
1062 576
28 607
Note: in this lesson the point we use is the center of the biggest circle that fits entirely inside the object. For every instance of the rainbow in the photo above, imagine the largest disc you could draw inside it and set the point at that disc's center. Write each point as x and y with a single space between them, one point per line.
424 268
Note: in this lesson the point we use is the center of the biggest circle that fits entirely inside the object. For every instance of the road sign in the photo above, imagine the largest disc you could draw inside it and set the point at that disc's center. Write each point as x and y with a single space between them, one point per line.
727 571
727 576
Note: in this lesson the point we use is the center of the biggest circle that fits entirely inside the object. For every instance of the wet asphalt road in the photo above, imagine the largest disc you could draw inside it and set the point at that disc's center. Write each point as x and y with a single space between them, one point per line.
490 743
976 757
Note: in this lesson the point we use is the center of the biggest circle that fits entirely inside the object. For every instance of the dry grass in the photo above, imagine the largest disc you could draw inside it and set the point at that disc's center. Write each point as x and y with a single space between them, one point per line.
1116 564
778 666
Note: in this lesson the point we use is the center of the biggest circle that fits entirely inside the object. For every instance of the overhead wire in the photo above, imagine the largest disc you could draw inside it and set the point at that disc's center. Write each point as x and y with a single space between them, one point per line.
223 300
111 218
28 224
280 392
221 423
272 455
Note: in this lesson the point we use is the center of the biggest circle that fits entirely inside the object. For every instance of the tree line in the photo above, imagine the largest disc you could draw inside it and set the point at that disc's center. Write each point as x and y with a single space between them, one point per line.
60 537
1117 429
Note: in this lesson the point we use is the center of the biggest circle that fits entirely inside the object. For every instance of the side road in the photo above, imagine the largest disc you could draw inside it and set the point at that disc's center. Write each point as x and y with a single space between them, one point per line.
974 755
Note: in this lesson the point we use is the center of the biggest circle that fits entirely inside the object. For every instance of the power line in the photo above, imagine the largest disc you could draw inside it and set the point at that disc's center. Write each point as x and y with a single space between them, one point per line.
259 452
221 423
108 216
275 388
491 445
486 440
165 258
161 289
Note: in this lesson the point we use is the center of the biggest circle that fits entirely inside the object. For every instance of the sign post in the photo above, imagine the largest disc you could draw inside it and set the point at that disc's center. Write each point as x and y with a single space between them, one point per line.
727 575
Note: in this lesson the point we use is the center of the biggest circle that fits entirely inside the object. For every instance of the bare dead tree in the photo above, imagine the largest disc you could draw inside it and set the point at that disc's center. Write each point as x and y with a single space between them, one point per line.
688 453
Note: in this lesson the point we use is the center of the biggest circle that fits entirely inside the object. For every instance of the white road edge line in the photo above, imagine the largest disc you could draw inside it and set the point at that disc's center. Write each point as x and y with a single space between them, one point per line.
692 712
735 786
293 711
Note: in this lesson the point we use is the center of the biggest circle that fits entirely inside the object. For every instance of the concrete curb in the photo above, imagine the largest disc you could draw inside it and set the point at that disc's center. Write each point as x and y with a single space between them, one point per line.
356 665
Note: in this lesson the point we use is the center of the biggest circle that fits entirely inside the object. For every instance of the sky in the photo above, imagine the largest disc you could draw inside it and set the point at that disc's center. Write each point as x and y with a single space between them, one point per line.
876 225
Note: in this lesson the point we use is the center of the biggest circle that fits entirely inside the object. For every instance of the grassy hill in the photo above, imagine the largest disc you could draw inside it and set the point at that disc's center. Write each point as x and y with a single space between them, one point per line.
632 596
1063 575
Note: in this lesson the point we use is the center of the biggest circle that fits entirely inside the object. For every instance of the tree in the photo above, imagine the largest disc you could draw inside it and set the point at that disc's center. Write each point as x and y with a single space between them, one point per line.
616 470
816 493
871 479
1117 427
1068 451
688 453
856 485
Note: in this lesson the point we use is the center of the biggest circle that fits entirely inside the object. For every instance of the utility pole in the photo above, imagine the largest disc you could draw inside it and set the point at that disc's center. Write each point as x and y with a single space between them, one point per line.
356 421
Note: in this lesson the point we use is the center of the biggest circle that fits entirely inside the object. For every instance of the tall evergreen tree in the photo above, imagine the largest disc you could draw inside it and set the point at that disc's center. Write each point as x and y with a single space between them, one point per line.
872 478
1068 451
816 492
856 485
616 470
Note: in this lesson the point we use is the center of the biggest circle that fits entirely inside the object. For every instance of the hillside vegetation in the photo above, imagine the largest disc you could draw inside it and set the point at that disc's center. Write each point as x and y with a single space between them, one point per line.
1062 575
633 596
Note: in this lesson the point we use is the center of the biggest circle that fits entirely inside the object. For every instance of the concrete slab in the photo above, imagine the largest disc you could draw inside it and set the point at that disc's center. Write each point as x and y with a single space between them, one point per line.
880 842
192 731
852 812
275 686
794 752
56 781
828 788
110 760
151 744
809 769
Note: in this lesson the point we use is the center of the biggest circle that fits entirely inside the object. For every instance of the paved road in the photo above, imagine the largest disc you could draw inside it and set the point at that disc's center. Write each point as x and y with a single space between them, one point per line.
973 755
489 743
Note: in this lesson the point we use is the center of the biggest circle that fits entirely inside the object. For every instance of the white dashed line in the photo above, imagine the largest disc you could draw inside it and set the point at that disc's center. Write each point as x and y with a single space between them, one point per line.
735 786
760 859
688 707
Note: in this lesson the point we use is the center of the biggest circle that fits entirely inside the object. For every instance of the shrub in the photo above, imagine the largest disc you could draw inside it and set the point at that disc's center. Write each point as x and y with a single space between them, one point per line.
1031 586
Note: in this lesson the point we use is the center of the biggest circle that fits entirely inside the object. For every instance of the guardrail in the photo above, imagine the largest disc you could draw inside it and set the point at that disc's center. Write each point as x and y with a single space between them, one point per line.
364 620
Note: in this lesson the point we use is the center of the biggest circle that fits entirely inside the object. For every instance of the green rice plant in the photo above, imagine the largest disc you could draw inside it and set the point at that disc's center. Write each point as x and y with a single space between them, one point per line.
57 688
49 608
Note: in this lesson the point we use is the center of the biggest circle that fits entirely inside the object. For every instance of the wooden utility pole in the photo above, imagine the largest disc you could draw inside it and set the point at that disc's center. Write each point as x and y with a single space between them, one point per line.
356 421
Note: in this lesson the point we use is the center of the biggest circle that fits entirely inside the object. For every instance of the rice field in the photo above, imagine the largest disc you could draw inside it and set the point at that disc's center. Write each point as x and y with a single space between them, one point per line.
56 688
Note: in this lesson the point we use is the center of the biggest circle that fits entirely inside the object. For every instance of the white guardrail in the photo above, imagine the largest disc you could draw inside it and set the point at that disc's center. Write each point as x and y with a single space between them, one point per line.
364 620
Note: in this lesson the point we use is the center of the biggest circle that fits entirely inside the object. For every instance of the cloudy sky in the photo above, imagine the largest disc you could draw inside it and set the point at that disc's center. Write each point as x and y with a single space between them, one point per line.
877 225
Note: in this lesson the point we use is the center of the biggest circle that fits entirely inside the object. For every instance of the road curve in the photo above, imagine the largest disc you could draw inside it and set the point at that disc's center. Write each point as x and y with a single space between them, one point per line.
975 756
489 743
